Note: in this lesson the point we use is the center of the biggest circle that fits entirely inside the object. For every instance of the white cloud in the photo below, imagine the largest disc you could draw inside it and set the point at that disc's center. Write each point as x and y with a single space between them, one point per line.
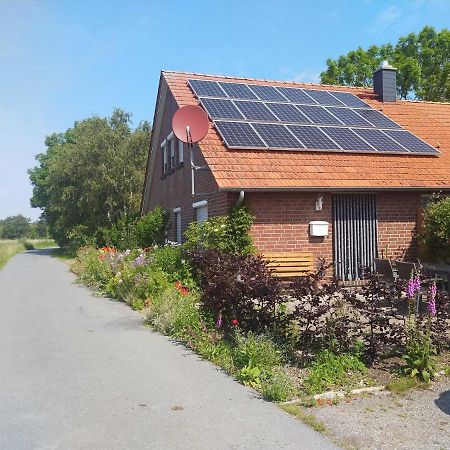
388 16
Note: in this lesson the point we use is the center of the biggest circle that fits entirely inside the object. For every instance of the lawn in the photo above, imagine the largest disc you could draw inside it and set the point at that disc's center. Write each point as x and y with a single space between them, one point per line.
8 248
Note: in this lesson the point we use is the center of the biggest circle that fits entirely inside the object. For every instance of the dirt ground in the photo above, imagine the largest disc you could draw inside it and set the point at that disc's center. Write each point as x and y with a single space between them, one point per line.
417 419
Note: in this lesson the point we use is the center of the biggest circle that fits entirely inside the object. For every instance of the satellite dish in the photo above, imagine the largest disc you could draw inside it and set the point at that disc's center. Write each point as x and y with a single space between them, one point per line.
190 124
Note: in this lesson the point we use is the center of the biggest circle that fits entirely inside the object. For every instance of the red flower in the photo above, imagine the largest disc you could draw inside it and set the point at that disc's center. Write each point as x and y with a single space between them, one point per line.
234 322
183 290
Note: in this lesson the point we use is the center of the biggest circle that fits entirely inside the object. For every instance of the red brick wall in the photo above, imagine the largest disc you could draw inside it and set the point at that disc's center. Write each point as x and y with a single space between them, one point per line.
281 223
397 221
282 220
174 190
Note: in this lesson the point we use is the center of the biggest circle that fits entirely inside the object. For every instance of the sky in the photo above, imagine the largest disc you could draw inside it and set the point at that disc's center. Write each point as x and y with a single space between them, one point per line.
66 60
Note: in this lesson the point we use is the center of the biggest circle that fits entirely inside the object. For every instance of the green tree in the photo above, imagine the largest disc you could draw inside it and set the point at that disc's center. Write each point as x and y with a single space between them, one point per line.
422 61
15 227
90 176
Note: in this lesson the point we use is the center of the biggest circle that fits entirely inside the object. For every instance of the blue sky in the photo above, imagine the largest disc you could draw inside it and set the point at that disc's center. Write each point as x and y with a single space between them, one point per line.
65 60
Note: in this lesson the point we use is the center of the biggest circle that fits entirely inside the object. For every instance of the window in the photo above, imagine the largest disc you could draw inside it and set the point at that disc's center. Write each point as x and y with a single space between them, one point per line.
201 210
164 157
177 213
180 151
172 153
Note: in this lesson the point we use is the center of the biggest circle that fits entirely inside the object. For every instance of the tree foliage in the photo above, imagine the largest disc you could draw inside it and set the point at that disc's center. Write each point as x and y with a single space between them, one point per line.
437 229
91 175
15 227
422 61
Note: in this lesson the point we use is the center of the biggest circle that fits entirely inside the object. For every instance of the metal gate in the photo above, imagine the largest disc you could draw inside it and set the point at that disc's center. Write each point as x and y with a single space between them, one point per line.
354 234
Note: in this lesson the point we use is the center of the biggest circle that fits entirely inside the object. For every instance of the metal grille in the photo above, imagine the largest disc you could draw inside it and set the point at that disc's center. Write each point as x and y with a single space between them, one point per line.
354 234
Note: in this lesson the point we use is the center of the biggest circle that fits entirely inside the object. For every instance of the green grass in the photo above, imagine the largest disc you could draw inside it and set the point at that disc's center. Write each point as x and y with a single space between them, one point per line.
308 419
8 248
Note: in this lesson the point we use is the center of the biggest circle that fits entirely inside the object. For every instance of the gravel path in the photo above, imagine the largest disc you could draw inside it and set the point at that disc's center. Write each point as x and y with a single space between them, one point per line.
418 419
80 372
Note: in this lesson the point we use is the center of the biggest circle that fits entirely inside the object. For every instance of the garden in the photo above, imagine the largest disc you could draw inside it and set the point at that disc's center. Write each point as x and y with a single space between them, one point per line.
291 341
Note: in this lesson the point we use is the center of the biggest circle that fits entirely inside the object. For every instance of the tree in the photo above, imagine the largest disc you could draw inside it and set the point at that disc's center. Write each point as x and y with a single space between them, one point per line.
422 61
15 227
91 175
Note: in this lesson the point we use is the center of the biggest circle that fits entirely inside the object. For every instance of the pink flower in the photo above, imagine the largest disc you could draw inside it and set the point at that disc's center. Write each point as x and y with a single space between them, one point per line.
432 300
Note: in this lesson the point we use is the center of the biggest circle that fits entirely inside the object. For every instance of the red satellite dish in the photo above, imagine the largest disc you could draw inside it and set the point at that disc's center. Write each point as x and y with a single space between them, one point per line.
190 124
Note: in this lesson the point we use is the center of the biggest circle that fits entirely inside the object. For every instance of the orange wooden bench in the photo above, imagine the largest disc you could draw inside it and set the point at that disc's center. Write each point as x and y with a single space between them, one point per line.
288 265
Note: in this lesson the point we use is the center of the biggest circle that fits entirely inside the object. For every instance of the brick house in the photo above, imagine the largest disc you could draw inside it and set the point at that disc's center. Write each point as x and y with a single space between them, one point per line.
371 200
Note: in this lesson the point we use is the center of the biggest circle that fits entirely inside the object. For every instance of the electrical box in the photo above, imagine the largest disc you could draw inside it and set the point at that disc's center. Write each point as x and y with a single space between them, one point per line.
318 228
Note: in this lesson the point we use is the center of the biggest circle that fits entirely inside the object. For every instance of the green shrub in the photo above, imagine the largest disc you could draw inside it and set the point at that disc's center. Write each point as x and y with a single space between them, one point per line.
174 263
91 269
276 386
122 234
256 351
27 245
151 228
330 370
175 315
225 233
436 233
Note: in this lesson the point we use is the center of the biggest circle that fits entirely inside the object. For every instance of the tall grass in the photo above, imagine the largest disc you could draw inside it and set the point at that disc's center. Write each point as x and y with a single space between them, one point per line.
9 248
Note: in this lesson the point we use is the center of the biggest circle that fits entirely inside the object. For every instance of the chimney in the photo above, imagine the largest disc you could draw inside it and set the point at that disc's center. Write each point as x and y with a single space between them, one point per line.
385 82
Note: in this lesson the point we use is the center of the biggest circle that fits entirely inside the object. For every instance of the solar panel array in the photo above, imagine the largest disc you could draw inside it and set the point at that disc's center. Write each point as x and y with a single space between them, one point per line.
278 117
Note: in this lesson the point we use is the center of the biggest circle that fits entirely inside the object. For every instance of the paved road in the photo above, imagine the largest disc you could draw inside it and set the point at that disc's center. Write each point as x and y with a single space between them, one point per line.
81 372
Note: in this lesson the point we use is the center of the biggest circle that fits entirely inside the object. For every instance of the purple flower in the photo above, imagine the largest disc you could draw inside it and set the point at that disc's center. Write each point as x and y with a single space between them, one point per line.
411 289
432 299
139 261
219 321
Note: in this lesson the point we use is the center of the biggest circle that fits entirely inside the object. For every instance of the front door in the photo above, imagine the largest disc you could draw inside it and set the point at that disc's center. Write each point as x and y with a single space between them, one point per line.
354 234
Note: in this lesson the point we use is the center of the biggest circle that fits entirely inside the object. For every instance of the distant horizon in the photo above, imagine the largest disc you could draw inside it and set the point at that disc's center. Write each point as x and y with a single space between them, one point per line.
65 61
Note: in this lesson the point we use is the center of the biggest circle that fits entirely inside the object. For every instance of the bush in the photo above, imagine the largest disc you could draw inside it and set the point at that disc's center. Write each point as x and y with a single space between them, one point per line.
436 233
121 235
151 228
239 291
330 370
176 315
225 233
174 263
276 386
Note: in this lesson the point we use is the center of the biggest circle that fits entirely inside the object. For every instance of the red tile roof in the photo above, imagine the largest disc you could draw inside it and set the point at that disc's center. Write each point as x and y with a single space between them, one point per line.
275 169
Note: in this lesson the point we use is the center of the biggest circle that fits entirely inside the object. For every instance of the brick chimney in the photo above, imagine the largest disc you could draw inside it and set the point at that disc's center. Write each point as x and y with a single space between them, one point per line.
385 82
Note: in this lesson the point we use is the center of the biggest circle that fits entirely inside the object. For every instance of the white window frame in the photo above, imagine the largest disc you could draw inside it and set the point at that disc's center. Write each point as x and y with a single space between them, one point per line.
198 206
180 151
171 141
164 156
178 226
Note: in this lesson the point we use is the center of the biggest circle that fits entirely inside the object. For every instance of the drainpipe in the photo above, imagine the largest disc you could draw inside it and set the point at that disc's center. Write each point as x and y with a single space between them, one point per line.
240 199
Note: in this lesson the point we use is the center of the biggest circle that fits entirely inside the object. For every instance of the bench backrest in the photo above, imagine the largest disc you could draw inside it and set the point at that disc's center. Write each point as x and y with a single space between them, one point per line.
385 269
288 265
404 269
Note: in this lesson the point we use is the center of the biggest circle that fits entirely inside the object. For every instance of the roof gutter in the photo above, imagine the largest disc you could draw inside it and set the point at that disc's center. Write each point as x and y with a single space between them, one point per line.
336 189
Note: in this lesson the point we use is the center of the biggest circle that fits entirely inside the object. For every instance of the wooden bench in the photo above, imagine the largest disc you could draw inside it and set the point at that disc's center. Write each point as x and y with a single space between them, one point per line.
288 265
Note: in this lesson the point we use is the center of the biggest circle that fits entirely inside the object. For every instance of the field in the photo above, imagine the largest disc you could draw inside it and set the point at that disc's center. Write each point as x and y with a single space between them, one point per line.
9 248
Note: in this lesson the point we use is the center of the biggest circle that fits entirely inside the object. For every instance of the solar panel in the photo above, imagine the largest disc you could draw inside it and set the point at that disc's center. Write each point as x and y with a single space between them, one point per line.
323 97
204 88
379 140
238 90
296 95
257 116
312 137
255 111
346 139
376 118
221 109
287 113
348 116
267 93
350 99
318 115
276 136
411 142
239 134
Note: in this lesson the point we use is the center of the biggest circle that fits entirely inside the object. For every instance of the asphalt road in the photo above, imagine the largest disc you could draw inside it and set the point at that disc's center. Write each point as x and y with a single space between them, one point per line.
81 372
